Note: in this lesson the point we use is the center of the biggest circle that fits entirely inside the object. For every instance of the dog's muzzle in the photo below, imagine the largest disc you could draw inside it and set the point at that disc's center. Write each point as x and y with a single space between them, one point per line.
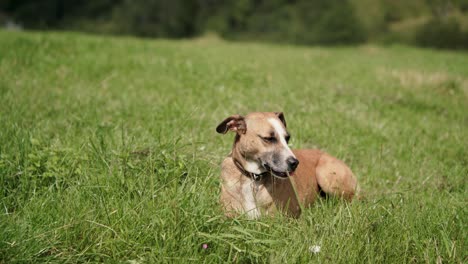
292 165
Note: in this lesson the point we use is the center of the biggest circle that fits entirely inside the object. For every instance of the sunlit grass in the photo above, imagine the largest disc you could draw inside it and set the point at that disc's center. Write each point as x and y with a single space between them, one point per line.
109 152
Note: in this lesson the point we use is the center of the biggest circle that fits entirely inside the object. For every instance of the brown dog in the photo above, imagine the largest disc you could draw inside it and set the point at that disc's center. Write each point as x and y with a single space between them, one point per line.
263 175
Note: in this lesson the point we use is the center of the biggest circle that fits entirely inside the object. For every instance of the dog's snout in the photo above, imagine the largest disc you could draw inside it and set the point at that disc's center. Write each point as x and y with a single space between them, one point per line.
292 163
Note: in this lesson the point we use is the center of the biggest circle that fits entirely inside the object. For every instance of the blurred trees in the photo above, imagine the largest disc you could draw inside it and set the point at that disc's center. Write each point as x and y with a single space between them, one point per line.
293 21
156 18
298 21
40 14
444 29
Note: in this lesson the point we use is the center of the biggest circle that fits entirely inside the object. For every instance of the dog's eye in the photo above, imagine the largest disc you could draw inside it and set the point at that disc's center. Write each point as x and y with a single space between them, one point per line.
287 138
269 139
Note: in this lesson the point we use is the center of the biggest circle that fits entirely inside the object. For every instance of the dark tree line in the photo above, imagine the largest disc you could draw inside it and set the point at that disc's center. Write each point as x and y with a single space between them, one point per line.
292 21
299 21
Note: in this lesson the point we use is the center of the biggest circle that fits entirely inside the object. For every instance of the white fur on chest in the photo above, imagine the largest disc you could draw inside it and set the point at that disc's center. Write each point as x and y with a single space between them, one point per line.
256 198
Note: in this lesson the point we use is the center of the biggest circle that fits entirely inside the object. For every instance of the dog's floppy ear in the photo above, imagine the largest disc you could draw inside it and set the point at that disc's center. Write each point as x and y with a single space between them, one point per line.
234 123
280 115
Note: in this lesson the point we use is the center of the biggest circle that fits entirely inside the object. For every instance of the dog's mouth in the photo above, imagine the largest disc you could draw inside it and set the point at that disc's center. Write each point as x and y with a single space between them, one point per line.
278 174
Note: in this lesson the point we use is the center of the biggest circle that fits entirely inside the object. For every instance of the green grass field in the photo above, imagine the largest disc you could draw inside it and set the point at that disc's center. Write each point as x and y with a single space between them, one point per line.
108 149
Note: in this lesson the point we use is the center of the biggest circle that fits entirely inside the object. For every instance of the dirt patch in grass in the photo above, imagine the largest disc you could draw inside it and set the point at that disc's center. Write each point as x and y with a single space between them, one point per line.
440 83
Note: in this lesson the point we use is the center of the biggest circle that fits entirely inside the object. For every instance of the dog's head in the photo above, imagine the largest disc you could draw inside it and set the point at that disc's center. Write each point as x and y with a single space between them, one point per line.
262 141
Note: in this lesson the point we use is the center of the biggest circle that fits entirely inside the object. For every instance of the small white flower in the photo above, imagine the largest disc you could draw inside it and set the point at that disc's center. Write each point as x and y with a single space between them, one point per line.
314 249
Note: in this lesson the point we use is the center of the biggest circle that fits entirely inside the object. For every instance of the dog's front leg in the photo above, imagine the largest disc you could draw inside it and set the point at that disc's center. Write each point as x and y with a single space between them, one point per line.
250 199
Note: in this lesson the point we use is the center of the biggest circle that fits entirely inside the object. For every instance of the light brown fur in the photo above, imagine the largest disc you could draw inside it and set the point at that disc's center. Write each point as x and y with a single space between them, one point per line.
316 171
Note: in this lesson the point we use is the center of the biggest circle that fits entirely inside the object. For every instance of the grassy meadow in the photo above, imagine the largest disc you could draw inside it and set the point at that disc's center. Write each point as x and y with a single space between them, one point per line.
108 150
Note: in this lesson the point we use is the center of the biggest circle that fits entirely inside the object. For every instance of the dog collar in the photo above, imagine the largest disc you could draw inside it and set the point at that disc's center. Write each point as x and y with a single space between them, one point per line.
254 176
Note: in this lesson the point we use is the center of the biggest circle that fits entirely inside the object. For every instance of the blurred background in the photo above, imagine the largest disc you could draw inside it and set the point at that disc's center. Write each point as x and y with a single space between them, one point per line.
428 23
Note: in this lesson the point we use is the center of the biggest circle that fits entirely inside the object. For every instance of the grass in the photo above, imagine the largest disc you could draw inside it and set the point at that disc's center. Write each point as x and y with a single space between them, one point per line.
109 153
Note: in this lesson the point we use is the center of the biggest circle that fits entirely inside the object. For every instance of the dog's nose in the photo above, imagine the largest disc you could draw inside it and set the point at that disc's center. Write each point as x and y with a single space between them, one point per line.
292 163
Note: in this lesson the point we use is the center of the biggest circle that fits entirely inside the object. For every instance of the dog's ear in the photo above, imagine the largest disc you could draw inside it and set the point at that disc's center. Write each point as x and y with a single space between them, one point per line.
280 115
234 123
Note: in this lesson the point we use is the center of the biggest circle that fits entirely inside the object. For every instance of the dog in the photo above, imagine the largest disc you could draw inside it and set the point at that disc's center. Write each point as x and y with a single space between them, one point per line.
262 175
